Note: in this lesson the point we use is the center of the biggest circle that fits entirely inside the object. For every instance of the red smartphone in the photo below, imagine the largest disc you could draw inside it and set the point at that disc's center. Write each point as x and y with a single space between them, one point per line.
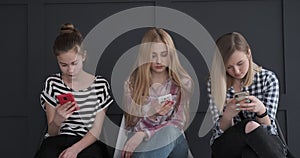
64 98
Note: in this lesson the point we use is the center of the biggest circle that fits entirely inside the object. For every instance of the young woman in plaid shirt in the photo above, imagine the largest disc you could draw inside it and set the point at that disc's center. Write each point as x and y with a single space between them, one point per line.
243 128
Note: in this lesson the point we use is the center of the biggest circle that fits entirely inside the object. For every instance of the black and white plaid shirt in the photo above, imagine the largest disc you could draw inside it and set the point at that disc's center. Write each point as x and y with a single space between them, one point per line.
265 87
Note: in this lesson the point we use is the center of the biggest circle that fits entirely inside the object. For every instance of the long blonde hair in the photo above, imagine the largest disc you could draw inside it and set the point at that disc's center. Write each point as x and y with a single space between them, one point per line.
140 78
227 45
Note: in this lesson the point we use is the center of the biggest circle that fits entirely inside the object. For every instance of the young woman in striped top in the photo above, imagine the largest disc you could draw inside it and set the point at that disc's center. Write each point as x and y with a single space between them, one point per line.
73 127
156 125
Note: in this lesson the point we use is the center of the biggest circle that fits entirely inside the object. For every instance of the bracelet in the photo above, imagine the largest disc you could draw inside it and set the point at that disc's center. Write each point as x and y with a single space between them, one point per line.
262 115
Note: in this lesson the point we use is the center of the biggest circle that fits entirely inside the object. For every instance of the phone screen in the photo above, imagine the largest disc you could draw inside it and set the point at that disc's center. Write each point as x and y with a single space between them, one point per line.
64 98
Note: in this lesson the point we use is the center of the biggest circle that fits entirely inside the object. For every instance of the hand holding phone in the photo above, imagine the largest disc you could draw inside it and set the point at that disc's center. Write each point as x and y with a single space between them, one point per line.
163 99
239 96
64 98
166 103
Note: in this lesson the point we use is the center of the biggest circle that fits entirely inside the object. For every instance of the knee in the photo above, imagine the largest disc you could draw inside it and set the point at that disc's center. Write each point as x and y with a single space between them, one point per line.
168 134
170 131
250 126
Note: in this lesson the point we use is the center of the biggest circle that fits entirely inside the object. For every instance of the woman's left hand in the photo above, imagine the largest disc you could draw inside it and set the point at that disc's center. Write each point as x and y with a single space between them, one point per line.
132 144
69 153
255 105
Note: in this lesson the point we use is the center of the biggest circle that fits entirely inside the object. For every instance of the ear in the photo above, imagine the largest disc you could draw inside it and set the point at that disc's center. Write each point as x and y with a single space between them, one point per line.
84 55
249 54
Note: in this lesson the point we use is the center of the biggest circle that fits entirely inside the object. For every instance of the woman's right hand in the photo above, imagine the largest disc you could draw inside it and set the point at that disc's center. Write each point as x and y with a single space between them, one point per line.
231 108
62 112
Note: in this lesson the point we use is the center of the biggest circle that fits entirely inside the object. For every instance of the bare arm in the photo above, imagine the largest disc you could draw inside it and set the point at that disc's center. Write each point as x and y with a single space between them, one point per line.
57 115
225 122
230 111
88 139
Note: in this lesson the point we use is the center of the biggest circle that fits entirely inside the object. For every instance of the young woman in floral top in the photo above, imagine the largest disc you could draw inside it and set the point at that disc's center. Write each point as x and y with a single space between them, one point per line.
156 127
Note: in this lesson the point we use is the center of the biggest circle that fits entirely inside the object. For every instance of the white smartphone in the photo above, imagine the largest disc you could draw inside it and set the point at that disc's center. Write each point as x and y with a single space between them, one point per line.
164 98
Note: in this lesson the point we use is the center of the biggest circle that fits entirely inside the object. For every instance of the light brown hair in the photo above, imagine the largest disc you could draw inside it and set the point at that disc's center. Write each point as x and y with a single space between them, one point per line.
227 44
68 38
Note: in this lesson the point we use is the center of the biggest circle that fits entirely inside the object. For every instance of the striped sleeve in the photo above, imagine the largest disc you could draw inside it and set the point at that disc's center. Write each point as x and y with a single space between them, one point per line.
47 94
103 93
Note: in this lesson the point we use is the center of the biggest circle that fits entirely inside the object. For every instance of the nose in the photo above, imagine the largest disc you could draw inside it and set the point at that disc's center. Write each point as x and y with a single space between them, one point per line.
236 70
70 69
158 60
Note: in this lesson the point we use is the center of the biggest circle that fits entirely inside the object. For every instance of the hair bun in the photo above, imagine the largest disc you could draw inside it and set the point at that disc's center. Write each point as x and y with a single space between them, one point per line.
67 28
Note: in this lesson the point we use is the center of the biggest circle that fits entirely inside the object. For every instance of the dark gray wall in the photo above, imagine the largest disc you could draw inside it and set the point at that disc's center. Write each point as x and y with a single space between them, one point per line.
28 29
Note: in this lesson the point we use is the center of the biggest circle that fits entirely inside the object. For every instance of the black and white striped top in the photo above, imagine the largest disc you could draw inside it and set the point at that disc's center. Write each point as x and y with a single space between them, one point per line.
90 101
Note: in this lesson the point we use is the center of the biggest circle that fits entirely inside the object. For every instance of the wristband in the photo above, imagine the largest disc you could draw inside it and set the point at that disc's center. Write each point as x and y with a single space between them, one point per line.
262 115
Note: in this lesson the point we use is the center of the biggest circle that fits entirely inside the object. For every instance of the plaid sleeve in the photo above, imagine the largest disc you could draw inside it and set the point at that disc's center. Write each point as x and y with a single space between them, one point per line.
217 131
271 98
